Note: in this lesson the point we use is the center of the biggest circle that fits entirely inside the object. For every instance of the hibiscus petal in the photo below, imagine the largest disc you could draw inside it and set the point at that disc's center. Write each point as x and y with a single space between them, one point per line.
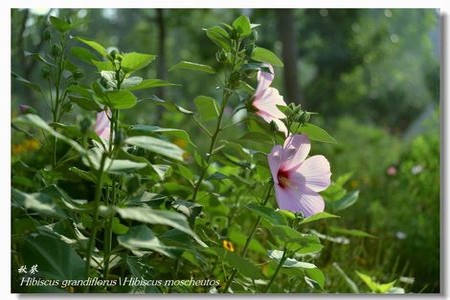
267 103
264 80
102 124
314 172
296 149
274 158
299 200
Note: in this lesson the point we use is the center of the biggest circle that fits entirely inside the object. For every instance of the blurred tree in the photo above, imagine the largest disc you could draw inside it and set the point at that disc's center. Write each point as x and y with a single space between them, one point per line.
288 36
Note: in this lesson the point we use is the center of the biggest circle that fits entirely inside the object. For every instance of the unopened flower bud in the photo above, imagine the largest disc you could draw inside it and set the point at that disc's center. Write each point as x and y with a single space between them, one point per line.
304 117
26 109
56 50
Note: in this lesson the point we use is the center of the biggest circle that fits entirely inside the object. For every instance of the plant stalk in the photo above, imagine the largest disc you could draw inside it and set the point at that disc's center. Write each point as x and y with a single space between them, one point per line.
280 264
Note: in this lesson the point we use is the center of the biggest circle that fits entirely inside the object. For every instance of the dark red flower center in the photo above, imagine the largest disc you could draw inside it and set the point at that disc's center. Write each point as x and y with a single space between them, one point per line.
283 178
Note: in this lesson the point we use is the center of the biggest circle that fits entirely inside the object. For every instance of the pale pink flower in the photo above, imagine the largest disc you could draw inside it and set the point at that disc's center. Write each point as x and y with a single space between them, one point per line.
298 179
267 98
103 124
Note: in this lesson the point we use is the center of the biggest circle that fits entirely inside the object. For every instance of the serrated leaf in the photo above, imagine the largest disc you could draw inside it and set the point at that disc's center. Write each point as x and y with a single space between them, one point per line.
207 108
316 133
157 146
187 65
263 55
134 61
94 45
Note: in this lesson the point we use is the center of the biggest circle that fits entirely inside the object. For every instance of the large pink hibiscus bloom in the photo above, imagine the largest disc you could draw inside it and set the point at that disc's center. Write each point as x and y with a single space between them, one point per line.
297 179
267 98
103 124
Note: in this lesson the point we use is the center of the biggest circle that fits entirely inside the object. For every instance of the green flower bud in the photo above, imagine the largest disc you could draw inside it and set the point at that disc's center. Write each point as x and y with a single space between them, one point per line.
56 50
304 117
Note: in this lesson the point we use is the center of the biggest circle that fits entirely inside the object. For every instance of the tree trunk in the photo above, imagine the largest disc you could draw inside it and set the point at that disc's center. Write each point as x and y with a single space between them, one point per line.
288 37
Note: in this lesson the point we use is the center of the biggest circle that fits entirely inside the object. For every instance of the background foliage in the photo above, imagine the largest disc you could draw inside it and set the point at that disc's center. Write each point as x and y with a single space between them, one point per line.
373 75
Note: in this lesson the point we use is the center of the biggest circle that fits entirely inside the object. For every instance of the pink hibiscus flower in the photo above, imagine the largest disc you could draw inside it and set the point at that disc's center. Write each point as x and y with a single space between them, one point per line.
103 123
298 180
267 98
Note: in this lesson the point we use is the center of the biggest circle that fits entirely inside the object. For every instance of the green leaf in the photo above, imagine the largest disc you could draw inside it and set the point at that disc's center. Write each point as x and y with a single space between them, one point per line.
121 99
131 82
348 200
206 108
219 36
162 217
133 61
117 227
244 266
256 137
85 103
317 276
124 165
352 232
267 56
157 146
38 202
316 133
187 65
83 54
296 241
149 129
276 255
55 259
36 122
103 65
352 285
374 286
27 83
242 26
142 238
94 45
171 106
238 238
60 24
269 214
149 84
318 216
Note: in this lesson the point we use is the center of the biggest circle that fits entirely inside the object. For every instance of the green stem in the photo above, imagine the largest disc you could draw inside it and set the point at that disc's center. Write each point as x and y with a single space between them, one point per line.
280 264
108 232
98 193
226 96
247 242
